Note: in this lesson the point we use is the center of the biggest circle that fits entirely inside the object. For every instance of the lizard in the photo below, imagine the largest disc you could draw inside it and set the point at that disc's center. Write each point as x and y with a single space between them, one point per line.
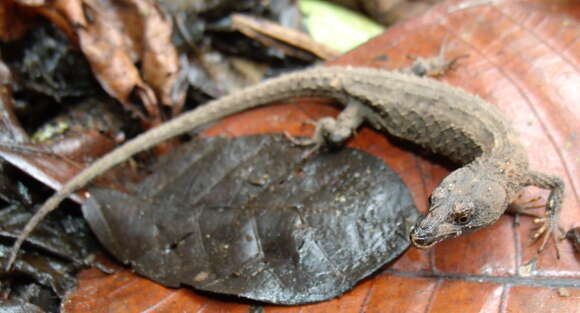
493 166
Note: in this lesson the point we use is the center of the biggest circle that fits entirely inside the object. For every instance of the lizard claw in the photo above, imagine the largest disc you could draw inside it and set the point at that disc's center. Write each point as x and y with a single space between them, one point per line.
317 144
522 207
299 141
548 227
328 131
548 224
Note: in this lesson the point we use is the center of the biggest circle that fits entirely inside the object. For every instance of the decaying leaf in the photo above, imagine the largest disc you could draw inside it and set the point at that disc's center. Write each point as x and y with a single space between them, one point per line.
68 238
17 307
48 271
46 267
250 217
54 162
45 63
115 36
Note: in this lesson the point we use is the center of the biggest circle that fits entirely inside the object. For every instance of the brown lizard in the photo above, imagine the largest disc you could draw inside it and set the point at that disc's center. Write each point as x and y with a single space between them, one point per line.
441 118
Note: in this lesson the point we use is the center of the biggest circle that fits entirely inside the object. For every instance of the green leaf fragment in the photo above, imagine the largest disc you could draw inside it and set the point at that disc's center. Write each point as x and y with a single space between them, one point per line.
336 26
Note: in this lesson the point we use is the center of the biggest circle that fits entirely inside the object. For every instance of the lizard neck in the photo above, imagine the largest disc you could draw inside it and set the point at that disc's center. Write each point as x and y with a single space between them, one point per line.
507 161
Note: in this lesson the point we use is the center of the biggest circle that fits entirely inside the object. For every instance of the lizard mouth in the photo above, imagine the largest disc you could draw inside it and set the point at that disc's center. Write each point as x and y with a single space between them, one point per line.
422 243
425 242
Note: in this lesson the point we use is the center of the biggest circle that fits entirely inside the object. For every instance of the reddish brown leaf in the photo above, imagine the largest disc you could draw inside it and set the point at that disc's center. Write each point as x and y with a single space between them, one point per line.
55 163
13 22
524 56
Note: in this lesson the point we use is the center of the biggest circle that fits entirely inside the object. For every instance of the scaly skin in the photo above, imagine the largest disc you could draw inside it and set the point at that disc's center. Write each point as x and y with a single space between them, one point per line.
439 117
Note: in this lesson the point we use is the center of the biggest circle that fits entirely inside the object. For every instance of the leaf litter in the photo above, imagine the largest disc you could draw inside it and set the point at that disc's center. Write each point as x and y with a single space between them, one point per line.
117 35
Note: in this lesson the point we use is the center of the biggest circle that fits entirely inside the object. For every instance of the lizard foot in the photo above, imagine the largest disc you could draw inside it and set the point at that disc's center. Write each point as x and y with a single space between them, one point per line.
522 207
435 66
328 132
548 224
304 142
547 229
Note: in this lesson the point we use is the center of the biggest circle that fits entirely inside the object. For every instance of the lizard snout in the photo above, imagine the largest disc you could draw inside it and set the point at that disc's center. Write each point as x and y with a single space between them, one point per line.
425 235
422 236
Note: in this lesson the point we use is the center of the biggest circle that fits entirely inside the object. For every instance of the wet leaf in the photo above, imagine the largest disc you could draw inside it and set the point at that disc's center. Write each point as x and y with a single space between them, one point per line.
46 267
45 63
250 217
66 237
19 307
46 270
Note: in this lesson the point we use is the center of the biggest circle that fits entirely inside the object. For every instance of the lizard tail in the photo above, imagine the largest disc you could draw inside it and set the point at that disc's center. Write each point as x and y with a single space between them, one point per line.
313 82
48 207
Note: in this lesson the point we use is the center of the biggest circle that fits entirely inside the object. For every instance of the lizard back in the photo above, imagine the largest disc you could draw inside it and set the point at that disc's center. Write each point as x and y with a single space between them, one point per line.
444 119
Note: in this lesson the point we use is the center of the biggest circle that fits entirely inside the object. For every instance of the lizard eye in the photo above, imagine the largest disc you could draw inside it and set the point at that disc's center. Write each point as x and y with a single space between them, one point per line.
461 218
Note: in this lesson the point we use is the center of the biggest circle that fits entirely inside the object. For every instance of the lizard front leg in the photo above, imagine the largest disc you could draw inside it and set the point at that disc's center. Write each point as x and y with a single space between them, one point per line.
331 131
549 222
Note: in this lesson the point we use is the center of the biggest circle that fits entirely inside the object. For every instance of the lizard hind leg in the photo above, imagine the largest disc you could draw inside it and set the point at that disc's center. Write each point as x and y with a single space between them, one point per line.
434 66
332 132
549 223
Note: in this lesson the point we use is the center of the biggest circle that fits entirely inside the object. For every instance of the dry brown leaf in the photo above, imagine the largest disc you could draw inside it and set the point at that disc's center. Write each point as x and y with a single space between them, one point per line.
115 35
109 50
160 64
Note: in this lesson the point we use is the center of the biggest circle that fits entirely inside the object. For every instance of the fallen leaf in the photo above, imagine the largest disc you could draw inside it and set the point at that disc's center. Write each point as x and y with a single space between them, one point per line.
257 220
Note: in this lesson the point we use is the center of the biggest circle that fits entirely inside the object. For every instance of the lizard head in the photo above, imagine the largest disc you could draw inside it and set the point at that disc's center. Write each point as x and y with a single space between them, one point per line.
468 199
